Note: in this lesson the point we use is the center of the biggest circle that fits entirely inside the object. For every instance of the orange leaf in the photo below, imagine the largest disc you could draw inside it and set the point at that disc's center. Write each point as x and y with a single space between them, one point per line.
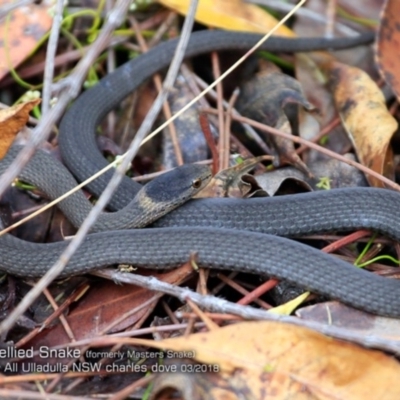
20 32
12 120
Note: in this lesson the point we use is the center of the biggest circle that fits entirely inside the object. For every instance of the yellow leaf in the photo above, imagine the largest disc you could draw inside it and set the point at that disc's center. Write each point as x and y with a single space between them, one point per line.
290 306
292 362
369 124
230 14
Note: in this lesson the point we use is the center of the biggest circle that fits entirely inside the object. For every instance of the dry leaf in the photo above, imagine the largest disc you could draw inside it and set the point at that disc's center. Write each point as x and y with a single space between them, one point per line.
388 44
272 181
338 314
104 304
230 14
20 32
280 361
234 181
265 98
12 120
362 108
337 173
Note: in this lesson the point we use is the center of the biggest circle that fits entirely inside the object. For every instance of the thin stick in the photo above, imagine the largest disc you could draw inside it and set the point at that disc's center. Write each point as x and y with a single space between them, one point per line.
50 56
205 127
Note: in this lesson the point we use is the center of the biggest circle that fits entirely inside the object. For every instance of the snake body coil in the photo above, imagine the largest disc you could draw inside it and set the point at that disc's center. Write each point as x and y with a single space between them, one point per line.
218 230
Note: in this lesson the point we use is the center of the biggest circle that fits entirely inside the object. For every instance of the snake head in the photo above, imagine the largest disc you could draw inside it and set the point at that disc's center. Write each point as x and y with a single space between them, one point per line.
170 190
179 185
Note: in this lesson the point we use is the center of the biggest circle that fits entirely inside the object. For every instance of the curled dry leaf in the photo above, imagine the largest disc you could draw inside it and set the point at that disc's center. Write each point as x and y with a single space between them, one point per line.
230 14
337 174
265 98
272 181
388 44
370 126
20 32
234 181
12 120
279 361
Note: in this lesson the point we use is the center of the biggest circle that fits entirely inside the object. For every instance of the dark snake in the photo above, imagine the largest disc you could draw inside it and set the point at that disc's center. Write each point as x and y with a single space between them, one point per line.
229 234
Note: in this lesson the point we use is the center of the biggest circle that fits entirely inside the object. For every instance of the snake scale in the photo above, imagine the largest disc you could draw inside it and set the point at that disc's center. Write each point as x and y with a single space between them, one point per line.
232 234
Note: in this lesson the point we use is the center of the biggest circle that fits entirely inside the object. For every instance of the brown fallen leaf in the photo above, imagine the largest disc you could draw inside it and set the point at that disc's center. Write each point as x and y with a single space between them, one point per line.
338 314
105 303
280 361
362 108
12 120
388 44
20 32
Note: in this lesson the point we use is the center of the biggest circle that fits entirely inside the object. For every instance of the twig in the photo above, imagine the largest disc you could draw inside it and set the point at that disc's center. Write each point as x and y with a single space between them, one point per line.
220 95
216 304
111 64
258 292
330 18
227 129
50 56
324 131
205 127
163 29
248 296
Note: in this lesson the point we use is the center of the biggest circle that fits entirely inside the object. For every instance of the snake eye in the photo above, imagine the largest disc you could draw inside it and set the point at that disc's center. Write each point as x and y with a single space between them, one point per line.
196 183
